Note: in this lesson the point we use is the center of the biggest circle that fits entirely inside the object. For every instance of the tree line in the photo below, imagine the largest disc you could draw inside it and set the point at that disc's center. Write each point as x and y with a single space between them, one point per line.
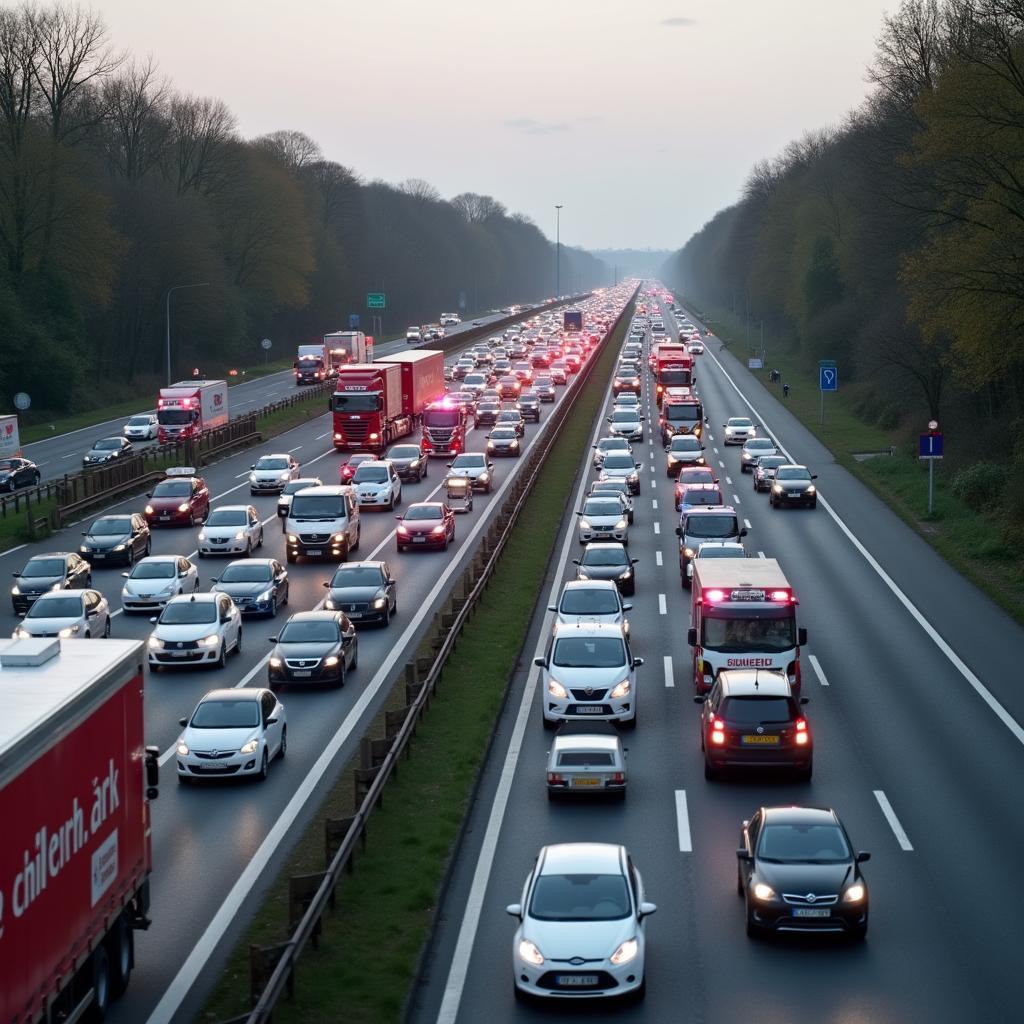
116 187
894 242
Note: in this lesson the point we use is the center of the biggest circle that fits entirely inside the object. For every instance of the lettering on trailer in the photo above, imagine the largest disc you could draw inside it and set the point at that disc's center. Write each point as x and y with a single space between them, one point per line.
8 429
749 662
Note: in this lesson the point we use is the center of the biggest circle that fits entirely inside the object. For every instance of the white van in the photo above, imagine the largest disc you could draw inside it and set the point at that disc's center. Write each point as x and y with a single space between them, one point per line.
323 522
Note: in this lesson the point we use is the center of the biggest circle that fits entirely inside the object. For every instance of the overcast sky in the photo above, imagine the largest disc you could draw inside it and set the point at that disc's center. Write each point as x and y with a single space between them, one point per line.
642 118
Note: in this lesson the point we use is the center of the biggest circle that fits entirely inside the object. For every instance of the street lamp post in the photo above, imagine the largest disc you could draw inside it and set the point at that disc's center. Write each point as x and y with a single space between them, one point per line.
175 288
558 251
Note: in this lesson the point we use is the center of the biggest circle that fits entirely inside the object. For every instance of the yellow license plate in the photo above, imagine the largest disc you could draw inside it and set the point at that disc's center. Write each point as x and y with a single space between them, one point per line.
767 741
586 782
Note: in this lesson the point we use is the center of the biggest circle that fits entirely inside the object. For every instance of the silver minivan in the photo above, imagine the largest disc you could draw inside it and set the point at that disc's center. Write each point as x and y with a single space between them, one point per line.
323 522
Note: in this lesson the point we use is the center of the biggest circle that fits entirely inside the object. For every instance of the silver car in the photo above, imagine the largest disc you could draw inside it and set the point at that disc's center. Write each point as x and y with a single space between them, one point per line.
626 423
591 601
738 430
619 487
683 450
610 444
83 614
271 472
754 449
602 518
155 580
586 758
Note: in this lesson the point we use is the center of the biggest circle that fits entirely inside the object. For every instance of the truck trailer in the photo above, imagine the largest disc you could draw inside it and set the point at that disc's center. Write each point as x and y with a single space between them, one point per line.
10 445
422 378
191 408
367 407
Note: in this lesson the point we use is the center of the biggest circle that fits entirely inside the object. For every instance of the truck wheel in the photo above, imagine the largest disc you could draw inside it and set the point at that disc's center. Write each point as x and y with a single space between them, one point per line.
97 1010
121 953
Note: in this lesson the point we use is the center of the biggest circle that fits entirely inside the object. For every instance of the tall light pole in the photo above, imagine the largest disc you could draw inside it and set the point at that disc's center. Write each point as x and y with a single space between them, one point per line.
558 251
175 288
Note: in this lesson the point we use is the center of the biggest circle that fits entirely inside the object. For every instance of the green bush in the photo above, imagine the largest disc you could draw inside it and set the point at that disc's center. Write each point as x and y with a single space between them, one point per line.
980 485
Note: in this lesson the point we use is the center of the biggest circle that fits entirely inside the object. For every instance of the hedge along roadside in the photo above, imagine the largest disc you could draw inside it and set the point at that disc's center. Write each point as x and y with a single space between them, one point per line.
410 843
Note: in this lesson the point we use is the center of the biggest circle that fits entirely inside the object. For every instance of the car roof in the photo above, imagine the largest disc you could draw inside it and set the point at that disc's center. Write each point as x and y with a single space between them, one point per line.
274 455
374 462
51 554
587 742
242 692
316 615
793 815
710 510
161 558
197 598
792 465
248 561
599 545
585 858
52 595
588 629
326 489
232 508
754 682
424 504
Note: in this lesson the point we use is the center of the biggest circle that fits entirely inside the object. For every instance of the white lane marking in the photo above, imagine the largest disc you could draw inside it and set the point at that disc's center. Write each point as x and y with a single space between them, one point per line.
320 437
721 463
670 679
70 455
746 523
816 665
654 503
932 633
116 613
894 822
760 554
662 605
295 449
728 479
683 823
736 498
657 557
10 551
715 450
657 527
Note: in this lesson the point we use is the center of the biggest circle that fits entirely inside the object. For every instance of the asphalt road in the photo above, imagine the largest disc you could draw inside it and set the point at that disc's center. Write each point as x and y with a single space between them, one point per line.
215 846
919 751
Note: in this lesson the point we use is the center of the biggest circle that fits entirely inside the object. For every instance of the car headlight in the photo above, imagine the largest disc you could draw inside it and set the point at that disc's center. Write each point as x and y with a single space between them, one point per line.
149 510
810 489
210 641
380 602
20 633
582 575
328 604
155 643
626 952
338 538
530 953
252 478
285 476
15 590
633 477
490 445
331 661
484 477
777 489
69 631
620 691
265 596
250 747
763 892
120 547
202 535
292 538
584 524
182 748
556 689
855 893
183 507
84 548
621 524
275 662
240 535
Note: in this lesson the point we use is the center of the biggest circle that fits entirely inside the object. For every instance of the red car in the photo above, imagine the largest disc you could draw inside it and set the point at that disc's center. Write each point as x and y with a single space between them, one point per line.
181 499
351 464
693 476
426 524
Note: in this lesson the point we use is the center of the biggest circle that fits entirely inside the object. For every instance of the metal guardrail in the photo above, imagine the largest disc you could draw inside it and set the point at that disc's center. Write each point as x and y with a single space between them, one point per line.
272 968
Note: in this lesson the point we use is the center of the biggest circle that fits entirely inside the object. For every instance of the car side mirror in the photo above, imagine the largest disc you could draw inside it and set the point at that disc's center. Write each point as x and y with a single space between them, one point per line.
637 662
515 909
668 447
863 856
540 662
153 620
490 465
253 466
805 700
801 636
646 909
124 574
213 579
183 722
699 700
743 532
633 561
741 854
627 607
149 494
327 584
398 517
679 531
814 476
272 720
691 636
85 533
272 639
575 561
552 608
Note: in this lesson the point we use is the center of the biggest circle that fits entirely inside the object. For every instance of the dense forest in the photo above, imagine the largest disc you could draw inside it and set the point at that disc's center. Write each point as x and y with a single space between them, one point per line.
115 187
894 242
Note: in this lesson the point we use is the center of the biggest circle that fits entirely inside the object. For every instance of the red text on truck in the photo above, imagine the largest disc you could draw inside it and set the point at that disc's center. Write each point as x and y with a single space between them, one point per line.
191 408
75 786
367 407
743 616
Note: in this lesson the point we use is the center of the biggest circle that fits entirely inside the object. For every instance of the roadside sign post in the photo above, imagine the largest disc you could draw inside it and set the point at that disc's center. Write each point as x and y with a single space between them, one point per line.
376 300
266 344
353 321
828 380
929 447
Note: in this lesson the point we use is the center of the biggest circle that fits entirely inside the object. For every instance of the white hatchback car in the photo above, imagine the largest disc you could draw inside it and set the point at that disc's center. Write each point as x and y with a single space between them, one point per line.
627 423
195 629
738 430
602 518
581 924
271 472
142 428
230 530
376 485
154 580
66 613
232 732
591 601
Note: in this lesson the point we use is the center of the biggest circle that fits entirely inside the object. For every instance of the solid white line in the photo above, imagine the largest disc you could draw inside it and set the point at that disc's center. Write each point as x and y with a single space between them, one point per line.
670 680
70 455
657 527
657 557
654 504
662 606
683 822
816 665
10 551
894 822
746 523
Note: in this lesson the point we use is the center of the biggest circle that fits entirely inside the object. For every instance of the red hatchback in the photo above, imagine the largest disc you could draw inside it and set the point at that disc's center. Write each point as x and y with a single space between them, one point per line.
426 524
351 464
181 499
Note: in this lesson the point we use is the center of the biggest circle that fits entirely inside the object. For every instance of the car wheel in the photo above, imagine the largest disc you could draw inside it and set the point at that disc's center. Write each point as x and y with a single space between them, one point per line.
259 543
387 616
106 629
754 931
88 580
859 933
273 607
101 987
35 480
238 642
264 766
547 723
120 950
739 881
444 547
487 489
630 723
814 504
149 546
131 557
710 771
359 537
154 667
637 995
355 656
283 748
223 659
200 553
248 549
804 774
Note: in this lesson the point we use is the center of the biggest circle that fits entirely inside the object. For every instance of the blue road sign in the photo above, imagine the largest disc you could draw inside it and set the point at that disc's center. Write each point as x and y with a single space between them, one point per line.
929 446
828 378
353 321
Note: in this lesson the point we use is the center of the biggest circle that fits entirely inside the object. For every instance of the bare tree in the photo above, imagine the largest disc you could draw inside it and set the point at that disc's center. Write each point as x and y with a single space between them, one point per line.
293 149
419 189
337 188
477 208
202 132
137 127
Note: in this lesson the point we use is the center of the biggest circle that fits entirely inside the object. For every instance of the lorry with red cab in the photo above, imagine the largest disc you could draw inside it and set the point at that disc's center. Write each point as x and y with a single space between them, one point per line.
743 616
75 784
367 407
444 426
191 408
673 367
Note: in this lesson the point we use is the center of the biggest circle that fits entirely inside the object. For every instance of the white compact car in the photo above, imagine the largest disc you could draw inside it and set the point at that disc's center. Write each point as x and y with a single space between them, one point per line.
376 485
602 518
232 732
67 613
586 758
230 530
627 423
738 430
591 601
195 629
271 472
142 428
154 580
581 924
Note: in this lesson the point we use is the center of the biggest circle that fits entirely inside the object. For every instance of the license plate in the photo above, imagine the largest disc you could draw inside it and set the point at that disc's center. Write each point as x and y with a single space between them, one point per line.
811 912
314 551
165 515
214 768
576 980
589 709
586 782
180 654
302 675
794 496
763 741
418 540
97 554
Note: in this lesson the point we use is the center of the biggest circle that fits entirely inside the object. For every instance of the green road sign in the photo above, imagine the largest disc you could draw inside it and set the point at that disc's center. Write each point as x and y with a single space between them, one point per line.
375 300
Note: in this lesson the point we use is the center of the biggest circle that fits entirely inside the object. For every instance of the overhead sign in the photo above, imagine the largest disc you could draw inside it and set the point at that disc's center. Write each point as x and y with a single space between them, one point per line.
375 300
929 446
828 376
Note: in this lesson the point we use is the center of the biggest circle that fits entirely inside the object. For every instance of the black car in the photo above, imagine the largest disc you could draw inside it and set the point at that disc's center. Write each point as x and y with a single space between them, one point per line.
511 418
607 560
409 462
58 570
364 591
116 539
17 472
107 450
314 647
529 406
487 413
545 388
259 586
798 872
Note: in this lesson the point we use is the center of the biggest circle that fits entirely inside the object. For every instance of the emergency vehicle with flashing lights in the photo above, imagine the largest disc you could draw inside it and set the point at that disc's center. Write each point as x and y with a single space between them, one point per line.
673 367
187 410
743 616
444 428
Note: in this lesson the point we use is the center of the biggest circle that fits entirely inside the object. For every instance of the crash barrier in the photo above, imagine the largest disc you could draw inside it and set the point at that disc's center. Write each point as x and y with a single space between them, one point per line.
272 968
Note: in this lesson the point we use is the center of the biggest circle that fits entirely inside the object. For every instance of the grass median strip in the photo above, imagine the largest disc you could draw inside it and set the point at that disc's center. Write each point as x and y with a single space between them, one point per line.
387 908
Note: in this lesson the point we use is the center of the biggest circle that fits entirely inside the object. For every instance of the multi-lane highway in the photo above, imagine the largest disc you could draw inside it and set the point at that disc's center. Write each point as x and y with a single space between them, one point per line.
916 709
213 846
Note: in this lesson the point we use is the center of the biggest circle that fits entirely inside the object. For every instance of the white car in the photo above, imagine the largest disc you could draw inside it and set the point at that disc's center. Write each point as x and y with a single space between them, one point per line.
581 924
683 450
450 319
626 400
195 629
586 758
618 489
627 423
142 428
232 732
738 430
67 613
230 530
716 549
154 580
284 500
413 336
602 518
753 450
696 348
271 472
376 485
607 445
591 601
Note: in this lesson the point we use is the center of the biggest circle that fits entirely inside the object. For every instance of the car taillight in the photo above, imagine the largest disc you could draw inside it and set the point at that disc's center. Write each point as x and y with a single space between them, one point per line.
619 778
717 736
554 777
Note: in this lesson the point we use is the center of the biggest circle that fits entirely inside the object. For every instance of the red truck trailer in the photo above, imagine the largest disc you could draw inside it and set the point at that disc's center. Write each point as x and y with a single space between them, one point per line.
190 409
367 407
673 367
75 786
422 378
348 347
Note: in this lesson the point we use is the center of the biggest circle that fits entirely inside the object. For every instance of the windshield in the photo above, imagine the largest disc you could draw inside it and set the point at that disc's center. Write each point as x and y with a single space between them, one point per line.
610 487
111 527
711 526
369 474
741 633
107 445
701 496
175 417
56 608
365 401
801 844
226 714
246 573
469 462
309 632
504 434
677 413
228 517
298 485
696 476
318 506
172 489
580 898
615 461
674 377
404 451
792 473
424 512
770 463
758 710
685 443
272 462
184 613
624 416
759 444
601 507
44 567
358 576
586 601
139 421
738 421
589 652
146 570
604 556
